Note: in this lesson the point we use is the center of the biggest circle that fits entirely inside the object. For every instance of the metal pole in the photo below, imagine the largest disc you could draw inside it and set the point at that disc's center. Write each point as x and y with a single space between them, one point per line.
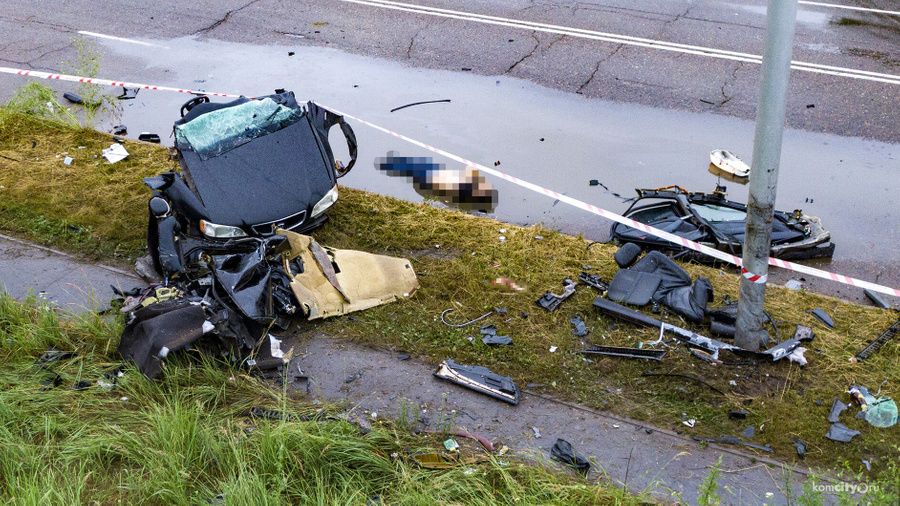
776 67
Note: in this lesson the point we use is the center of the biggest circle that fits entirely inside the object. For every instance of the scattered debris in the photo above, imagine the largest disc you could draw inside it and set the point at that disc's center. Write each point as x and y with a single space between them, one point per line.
115 152
451 445
563 452
878 343
68 160
724 164
837 408
594 281
120 130
485 315
551 301
446 100
731 440
749 432
801 446
128 93
690 422
494 339
822 316
793 284
709 218
841 433
149 137
626 352
881 412
75 99
537 433
480 379
52 355
580 329
434 461
874 297
403 356
738 414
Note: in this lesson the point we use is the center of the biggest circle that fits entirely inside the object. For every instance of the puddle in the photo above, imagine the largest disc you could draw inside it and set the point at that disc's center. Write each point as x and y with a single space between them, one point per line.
553 139
806 17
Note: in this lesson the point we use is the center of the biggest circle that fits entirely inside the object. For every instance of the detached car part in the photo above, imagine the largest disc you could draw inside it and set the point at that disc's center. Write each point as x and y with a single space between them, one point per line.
710 219
480 379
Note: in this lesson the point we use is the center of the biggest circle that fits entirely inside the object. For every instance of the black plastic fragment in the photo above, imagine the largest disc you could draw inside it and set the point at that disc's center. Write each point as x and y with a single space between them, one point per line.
841 433
594 281
615 351
71 97
494 339
52 355
120 130
51 382
480 379
563 452
81 385
874 297
580 329
876 345
837 408
550 301
128 93
749 432
801 447
731 440
822 316
403 356
148 137
738 414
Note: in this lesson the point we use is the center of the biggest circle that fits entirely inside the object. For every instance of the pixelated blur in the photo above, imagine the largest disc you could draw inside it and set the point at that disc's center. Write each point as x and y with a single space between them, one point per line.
465 189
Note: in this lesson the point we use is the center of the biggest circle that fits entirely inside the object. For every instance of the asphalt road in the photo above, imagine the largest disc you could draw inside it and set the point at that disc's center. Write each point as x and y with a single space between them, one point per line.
598 61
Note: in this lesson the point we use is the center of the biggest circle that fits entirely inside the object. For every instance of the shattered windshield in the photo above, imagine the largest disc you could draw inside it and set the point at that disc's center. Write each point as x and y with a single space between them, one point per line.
718 213
222 130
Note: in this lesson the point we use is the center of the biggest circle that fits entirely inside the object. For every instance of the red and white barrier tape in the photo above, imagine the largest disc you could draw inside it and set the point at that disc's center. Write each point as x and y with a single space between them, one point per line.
105 82
721 255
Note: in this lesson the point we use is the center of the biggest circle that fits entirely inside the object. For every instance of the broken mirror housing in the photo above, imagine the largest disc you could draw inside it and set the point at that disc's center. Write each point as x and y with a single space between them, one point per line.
712 220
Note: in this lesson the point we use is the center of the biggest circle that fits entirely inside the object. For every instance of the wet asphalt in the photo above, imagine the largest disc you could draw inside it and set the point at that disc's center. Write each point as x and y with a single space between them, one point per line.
640 456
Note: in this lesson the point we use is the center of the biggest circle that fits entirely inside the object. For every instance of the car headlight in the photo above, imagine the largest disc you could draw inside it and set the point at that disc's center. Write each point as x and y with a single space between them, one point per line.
220 231
327 201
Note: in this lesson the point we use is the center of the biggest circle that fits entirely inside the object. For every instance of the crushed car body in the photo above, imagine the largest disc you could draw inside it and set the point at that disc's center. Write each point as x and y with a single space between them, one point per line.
247 168
223 234
712 220
225 304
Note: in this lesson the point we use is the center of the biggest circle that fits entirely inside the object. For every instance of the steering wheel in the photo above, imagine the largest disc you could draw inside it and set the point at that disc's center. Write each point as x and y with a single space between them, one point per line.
194 102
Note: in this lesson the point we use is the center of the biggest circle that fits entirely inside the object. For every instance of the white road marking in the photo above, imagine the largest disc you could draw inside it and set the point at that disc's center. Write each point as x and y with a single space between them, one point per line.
625 39
864 9
120 39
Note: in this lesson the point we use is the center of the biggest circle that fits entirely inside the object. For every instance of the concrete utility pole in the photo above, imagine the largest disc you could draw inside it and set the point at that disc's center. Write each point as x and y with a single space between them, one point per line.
781 16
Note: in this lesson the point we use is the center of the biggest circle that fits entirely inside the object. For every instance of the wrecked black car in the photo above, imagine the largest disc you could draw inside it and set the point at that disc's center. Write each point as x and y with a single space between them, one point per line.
712 220
248 167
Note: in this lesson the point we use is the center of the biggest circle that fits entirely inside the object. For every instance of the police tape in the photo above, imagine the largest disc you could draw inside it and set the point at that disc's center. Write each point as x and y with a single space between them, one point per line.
106 82
706 250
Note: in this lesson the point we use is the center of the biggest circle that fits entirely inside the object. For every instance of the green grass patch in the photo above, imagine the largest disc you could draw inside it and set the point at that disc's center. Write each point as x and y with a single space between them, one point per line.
186 439
457 257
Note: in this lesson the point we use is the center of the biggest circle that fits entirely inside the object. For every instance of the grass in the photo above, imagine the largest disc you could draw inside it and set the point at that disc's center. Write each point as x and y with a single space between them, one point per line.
457 256
185 438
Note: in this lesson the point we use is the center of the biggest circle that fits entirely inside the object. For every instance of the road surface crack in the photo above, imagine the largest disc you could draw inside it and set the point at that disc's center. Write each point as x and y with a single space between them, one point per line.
224 19
597 68
537 44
